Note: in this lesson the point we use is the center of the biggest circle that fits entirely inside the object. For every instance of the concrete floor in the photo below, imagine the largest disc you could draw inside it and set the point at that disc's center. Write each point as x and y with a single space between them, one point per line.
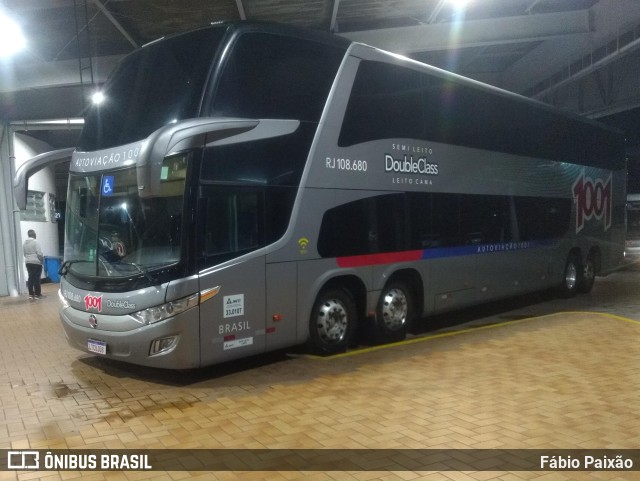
535 372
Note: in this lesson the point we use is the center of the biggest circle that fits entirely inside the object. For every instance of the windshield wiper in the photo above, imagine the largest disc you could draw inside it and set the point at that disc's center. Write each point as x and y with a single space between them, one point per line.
143 270
64 268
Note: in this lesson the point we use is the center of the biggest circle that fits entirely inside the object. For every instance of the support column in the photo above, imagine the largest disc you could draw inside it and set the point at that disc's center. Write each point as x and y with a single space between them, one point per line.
11 275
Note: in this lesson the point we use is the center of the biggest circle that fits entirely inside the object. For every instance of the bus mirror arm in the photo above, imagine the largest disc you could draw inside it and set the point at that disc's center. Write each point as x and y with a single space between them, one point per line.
33 165
198 132
181 137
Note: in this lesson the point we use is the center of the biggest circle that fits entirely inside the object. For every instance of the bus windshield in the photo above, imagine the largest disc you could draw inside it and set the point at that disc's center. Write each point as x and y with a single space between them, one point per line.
160 84
111 231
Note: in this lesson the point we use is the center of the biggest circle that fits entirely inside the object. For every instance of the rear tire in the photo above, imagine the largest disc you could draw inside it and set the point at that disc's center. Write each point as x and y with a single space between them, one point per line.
395 313
333 322
588 277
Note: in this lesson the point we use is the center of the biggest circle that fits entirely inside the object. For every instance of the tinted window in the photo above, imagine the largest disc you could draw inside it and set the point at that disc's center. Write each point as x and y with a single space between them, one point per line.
390 221
232 222
397 222
449 220
386 102
421 234
154 86
542 217
278 206
275 161
271 76
389 101
367 226
484 219
345 230
236 220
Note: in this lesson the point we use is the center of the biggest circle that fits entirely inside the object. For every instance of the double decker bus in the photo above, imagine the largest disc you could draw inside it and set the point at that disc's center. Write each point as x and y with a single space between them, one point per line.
248 187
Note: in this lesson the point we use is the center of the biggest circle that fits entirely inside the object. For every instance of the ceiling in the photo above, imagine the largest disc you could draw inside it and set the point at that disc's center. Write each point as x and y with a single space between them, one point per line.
579 54
117 26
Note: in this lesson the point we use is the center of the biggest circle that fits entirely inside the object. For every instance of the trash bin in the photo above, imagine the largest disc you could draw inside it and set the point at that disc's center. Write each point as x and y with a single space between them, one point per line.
51 268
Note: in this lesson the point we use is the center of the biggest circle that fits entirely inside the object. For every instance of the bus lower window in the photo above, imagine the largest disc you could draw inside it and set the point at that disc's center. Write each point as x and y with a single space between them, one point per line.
232 224
397 222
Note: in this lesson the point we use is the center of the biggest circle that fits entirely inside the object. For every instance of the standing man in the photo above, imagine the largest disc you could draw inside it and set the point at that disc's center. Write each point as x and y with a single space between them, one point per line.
33 258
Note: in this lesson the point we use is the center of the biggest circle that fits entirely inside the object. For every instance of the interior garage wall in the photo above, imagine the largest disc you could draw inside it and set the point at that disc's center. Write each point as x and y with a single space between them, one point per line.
15 149
26 147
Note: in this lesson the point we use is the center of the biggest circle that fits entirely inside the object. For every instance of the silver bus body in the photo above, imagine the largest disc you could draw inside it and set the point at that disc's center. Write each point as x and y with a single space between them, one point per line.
370 229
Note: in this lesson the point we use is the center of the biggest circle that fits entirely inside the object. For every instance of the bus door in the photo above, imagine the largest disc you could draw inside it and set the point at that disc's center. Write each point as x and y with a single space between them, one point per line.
232 274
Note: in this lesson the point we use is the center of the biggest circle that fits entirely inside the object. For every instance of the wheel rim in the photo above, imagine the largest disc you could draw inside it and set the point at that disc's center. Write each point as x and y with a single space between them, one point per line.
589 272
394 309
571 276
332 321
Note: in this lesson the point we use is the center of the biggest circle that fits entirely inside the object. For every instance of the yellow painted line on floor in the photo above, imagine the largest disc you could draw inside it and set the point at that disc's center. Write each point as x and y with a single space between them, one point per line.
463 331
606 314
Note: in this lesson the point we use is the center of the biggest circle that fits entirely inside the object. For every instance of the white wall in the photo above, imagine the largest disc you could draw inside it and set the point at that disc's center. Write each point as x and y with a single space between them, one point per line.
26 147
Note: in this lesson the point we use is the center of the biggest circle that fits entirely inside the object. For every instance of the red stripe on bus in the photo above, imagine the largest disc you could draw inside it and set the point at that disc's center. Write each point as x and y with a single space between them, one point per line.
377 259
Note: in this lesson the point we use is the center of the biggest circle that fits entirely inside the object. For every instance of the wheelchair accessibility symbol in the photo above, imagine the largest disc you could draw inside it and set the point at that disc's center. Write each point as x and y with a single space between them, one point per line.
107 185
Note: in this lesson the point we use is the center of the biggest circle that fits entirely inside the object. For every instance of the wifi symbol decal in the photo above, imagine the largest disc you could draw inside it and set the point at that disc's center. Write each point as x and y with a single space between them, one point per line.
303 242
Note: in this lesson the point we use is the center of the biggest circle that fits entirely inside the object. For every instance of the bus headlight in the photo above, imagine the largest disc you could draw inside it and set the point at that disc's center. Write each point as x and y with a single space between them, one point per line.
164 311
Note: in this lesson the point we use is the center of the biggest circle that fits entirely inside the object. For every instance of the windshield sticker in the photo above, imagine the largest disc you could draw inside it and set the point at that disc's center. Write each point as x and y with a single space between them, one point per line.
233 305
107 185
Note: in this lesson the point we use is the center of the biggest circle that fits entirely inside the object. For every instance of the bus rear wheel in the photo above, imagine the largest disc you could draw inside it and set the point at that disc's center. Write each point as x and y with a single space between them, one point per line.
395 313
333 322
572 276
588 275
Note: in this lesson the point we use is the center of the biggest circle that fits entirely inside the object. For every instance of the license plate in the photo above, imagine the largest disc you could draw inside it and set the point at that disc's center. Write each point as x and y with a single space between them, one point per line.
99 347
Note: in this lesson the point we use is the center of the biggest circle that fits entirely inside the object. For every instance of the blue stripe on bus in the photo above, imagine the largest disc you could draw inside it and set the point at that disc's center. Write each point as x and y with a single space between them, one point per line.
477 249
440 253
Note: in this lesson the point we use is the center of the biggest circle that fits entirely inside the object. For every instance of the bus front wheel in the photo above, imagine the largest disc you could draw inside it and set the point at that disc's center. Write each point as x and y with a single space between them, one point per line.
333 322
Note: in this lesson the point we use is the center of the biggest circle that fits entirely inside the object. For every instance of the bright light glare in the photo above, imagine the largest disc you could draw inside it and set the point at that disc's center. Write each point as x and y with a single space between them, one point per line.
459 4
98 98
11 38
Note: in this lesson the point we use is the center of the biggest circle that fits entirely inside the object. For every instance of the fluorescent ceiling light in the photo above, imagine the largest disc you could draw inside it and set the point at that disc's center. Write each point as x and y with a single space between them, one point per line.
98 98
11 38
